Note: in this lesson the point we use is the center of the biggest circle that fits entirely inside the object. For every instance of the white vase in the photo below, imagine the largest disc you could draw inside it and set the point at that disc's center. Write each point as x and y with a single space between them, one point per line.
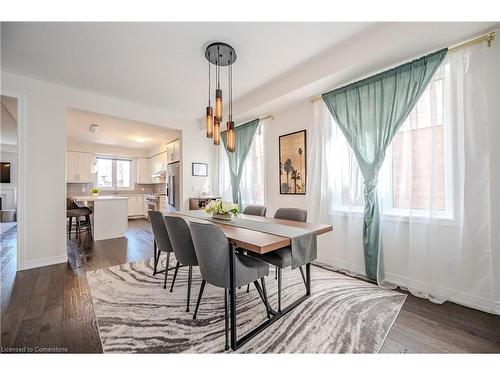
222 217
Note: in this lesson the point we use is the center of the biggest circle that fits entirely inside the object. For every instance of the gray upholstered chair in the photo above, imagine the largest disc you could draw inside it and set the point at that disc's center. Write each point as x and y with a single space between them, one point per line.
162 241
255 210
282 258
182 244
212 250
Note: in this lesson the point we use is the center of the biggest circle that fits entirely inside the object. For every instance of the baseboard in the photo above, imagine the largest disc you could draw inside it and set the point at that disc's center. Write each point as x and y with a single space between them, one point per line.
461 298
28 264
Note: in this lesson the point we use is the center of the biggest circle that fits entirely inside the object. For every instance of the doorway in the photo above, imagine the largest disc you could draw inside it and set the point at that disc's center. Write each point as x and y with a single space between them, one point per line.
10 175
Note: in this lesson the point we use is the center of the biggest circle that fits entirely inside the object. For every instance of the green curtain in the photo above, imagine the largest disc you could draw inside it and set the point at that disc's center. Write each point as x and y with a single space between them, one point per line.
369 113
244 137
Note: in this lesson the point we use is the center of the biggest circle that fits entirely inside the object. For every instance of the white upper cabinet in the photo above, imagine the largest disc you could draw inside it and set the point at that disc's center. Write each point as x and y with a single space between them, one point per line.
78 167
173 151
143 171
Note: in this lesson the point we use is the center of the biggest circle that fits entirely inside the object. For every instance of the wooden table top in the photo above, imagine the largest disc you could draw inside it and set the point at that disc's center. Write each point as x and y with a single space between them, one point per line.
260 242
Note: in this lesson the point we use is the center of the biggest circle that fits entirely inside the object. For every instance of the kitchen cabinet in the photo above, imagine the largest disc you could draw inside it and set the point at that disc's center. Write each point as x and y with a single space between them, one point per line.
78 167
143 171
136 206
163 203
173 151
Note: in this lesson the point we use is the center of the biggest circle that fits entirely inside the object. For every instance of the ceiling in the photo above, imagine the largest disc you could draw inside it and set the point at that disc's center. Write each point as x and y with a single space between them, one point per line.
114 131
162 64
8 123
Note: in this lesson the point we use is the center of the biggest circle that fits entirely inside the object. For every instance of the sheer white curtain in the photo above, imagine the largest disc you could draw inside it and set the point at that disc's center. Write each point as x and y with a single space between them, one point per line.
439 188
335 193
252 186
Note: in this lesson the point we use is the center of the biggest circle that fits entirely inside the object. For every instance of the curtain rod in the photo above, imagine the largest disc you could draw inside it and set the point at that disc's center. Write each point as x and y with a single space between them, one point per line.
265 117
486 37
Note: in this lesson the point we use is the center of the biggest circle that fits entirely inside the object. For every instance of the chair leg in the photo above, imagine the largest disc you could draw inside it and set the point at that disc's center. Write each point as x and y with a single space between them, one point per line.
78 231
248 288
303 277
226 320
279 289
156 255
262 295
175 276
166 270
200 294
264 291
90 226
276 273
69 228
190 277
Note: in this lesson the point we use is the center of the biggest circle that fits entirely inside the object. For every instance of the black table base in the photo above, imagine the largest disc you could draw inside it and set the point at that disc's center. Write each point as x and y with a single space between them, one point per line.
274 315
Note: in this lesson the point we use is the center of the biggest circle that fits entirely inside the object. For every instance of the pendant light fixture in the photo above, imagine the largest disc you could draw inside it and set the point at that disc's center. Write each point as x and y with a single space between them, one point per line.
209 120
221 55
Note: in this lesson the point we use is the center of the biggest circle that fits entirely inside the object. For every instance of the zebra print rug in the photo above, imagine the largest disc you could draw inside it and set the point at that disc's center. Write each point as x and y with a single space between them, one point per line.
135 314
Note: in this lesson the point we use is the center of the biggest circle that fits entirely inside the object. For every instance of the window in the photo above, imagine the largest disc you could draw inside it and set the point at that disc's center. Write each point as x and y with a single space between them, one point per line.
415 174
123 173
113 172
252 186
104 173
418 152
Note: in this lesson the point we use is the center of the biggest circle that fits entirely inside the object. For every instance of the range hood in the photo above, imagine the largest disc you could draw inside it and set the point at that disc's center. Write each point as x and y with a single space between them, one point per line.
159 174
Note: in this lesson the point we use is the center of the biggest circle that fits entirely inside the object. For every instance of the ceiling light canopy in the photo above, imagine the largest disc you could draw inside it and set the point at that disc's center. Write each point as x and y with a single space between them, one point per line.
221 55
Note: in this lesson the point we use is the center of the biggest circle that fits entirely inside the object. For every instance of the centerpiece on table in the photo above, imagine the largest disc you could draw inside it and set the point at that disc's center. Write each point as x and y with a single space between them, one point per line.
95 192
222 210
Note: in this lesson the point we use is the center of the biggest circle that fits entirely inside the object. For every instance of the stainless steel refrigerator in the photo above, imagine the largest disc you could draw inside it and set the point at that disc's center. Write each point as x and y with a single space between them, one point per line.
173 174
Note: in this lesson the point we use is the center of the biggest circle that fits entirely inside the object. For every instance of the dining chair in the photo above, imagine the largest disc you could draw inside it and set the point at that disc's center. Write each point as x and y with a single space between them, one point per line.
255 210
282 258
212 248
182 244
73 210
162 242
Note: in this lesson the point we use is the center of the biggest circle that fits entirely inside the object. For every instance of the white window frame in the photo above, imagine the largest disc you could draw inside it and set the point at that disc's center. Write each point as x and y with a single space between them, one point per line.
114 159
446 216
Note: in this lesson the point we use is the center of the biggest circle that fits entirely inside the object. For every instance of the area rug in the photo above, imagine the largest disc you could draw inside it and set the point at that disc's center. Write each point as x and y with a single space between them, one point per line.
136 315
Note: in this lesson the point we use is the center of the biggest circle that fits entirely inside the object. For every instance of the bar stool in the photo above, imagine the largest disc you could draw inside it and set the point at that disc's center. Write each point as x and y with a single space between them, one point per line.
74 211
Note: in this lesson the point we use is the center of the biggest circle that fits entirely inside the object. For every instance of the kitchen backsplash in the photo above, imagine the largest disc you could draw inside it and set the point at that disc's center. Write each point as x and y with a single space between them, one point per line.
77 189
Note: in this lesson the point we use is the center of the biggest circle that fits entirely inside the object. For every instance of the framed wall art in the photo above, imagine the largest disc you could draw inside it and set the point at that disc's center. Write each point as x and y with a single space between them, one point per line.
293 166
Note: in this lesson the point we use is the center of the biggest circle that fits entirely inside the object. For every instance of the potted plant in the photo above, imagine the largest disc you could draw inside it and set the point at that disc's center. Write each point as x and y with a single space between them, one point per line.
222 210
95 192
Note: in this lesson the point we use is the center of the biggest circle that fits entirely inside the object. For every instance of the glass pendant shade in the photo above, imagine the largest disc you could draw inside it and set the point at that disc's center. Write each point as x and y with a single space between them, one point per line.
216 132
231 137
209 122
218 105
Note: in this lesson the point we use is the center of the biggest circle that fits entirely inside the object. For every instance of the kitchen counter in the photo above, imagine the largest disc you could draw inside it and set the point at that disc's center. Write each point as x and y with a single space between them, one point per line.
109 215
90 198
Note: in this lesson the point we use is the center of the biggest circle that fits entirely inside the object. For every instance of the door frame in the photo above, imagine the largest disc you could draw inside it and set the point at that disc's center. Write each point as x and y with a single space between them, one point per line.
21 175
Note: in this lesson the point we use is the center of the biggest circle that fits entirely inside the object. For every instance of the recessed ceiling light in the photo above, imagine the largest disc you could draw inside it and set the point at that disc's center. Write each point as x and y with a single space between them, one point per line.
139 139
93 128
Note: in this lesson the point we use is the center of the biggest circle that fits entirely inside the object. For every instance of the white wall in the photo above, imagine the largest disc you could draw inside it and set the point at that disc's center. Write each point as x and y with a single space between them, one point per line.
44 146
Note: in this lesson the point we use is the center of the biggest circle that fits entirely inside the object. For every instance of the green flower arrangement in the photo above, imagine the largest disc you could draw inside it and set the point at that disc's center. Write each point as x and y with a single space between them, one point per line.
95 191
222 210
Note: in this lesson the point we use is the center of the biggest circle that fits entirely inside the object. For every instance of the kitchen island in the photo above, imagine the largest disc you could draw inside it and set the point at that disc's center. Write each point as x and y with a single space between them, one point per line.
109 218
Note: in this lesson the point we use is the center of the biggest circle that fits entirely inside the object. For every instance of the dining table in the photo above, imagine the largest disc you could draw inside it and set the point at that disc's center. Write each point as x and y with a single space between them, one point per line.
257 234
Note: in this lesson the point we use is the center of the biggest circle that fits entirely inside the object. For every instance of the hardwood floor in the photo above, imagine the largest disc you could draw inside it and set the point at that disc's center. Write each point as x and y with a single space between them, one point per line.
49 308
